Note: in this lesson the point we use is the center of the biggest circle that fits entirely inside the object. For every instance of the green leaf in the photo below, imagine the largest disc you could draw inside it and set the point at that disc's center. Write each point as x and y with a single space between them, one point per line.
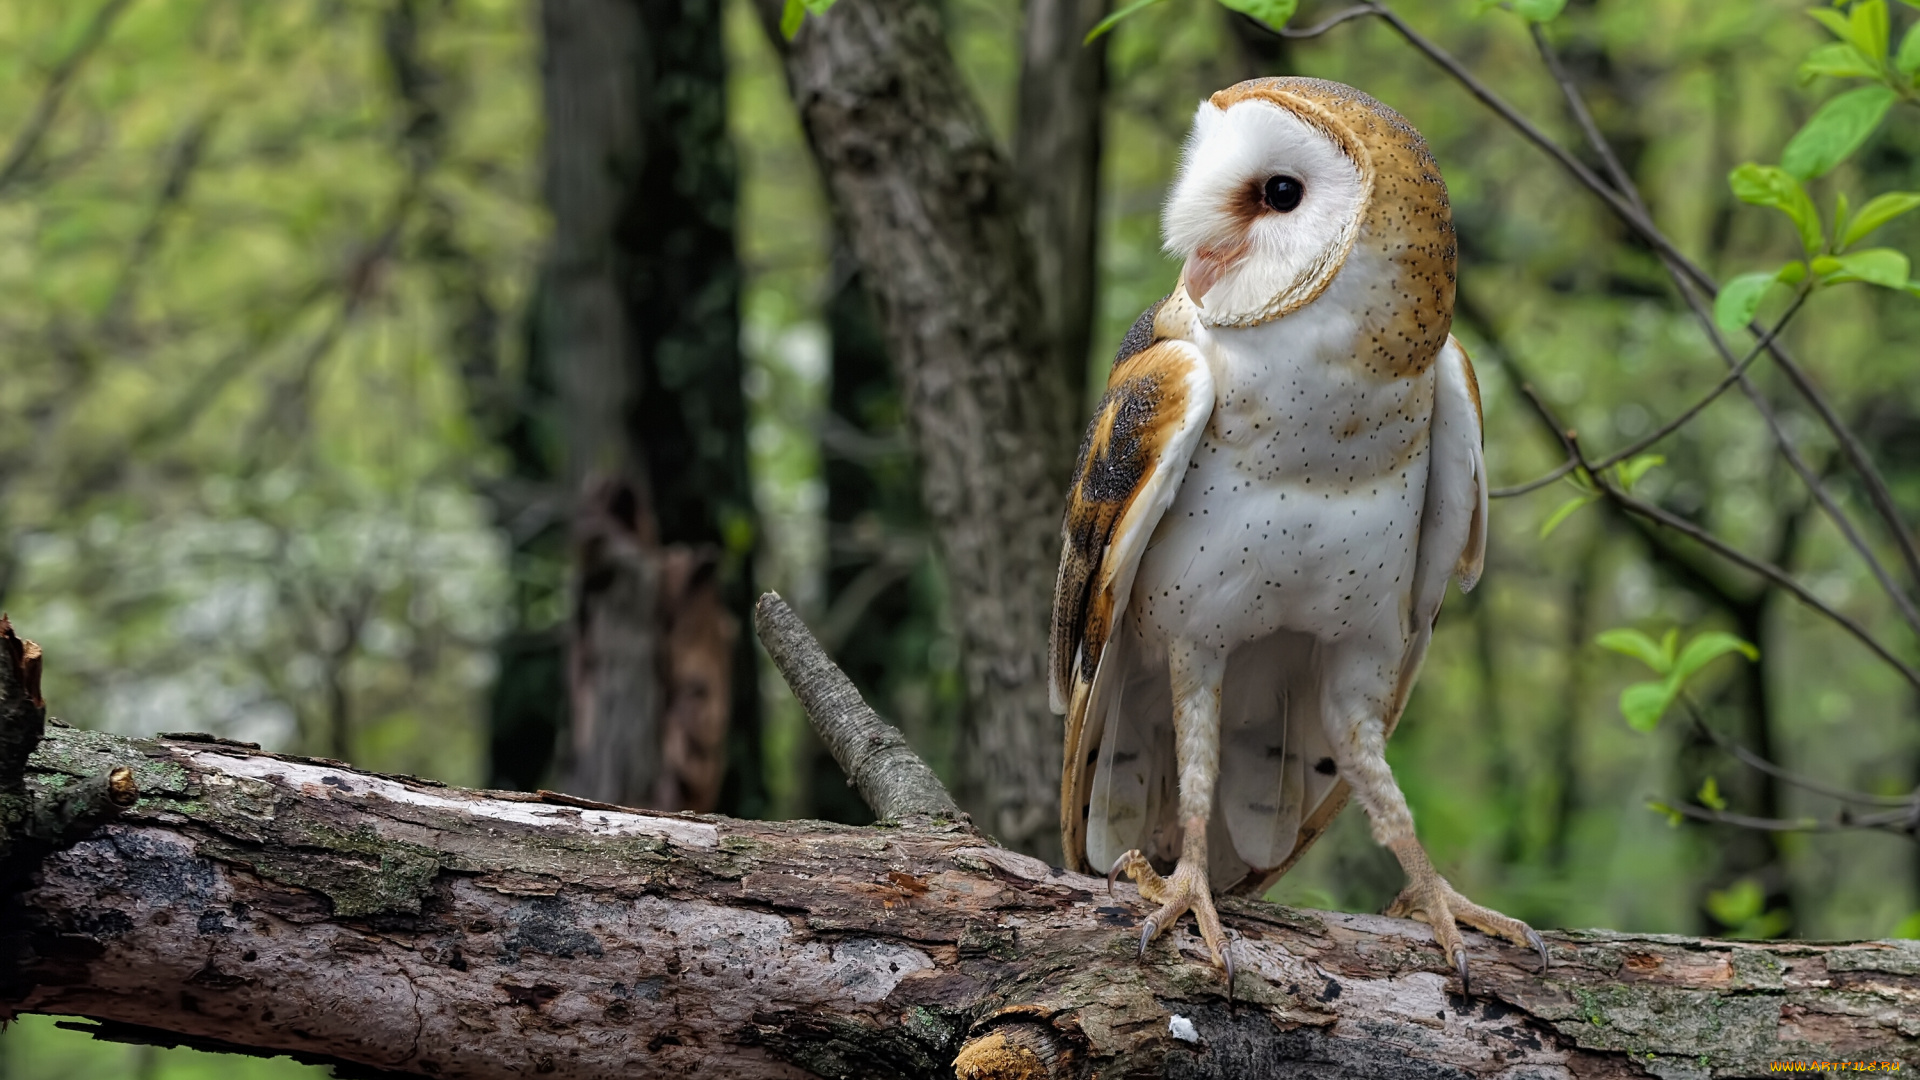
1875 266
1824 265
1563 512
1770 185
1644 703
796 11
1538 11
1836 130
1908 927
1706 648
1674 817
1792 274
1835 23
1710 796
1878 211
1739 300
1907 60
1870 32
1838 60
1737 904
1632 469
1274 13
1629 642
1113 20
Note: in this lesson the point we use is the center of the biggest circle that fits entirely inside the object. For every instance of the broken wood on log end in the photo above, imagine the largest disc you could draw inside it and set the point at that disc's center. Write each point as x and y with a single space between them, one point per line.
1023 1050
891 778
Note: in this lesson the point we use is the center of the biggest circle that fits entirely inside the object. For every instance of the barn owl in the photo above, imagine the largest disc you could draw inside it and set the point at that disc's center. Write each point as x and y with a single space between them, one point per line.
1284 473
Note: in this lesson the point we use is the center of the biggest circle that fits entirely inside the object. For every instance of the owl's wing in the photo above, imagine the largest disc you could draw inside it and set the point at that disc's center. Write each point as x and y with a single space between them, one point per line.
1453 527
1135 454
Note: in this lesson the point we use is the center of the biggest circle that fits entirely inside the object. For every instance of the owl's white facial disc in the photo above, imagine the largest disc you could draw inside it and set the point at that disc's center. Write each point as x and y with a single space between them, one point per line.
1250 258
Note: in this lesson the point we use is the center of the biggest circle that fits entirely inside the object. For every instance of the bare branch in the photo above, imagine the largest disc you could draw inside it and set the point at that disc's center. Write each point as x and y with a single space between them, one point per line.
1570 441
1670 426
44 110
1576 104
1755 761
1324 25
891 778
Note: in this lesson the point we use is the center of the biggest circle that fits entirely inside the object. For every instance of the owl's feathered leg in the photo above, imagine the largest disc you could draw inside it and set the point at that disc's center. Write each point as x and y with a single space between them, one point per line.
1196 675
1428 897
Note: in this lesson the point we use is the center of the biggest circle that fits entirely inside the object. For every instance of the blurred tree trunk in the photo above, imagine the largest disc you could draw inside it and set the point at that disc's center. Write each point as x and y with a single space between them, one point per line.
931 209
1057 152
639 322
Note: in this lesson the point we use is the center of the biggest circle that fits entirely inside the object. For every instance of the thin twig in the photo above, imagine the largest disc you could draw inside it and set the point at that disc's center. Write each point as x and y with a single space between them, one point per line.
1894 822
1755 761
1624 184
44 110
1356 12
1536 483
1570 442
1667 428
1732 376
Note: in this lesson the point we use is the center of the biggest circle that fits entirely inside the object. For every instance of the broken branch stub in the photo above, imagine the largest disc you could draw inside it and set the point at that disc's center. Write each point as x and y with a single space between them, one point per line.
891 778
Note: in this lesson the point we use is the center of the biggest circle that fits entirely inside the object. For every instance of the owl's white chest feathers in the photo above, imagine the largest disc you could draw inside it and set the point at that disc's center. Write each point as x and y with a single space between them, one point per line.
1301 507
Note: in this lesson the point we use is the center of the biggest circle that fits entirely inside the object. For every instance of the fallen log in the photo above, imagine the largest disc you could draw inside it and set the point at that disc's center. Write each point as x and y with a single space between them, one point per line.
282 904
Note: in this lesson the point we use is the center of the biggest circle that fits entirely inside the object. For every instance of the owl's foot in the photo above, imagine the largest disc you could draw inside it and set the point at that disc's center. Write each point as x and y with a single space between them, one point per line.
1429 899
1186 890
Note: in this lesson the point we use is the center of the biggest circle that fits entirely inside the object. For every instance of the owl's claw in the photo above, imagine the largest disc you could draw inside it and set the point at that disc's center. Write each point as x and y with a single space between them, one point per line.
1539 946
1185 890
1429 899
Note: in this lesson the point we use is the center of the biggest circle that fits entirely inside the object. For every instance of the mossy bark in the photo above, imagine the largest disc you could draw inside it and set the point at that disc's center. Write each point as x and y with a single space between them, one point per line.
298 905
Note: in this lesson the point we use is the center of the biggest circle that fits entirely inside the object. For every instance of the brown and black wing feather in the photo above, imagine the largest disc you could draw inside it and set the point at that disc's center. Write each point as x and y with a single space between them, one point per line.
1135 453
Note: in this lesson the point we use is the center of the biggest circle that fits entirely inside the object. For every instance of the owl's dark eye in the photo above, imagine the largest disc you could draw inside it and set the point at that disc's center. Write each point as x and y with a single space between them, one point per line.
1283 193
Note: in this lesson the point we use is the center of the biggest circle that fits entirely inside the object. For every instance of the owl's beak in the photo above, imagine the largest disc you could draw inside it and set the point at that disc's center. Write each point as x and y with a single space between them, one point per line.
1207 266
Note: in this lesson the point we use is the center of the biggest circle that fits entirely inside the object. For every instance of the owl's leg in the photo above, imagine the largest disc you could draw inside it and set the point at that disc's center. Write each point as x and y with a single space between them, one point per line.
1358 733
1196 675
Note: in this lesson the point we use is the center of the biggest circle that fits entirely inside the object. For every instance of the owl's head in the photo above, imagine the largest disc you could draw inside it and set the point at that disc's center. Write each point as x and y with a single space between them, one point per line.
1281 178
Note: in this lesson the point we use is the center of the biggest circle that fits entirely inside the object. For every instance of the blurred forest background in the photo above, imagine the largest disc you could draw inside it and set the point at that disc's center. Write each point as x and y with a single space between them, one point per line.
284 452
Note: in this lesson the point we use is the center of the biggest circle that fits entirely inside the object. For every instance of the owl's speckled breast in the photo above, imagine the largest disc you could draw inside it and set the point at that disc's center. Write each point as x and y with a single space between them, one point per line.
1301 507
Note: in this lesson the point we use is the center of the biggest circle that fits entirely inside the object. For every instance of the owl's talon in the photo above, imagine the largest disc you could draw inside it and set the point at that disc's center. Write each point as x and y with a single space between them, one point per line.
1431 900
1226 954
1148 931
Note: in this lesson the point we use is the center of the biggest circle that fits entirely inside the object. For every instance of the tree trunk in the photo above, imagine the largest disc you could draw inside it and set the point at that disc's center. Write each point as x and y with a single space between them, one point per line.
640 319
931 209
1062 95
296 905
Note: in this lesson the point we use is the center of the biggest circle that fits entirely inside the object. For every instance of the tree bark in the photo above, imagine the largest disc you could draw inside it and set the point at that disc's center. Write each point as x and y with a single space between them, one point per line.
641 320
295 905
1057 152
932 211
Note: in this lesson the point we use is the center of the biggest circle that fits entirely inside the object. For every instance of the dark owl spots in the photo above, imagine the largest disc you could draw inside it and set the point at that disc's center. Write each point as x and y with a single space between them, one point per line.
1325 767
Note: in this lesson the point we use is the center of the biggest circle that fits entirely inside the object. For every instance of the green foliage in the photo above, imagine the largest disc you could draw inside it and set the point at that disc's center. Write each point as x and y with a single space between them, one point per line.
797 10
1739 299
1274 13
1626 474
1770 185
1643 703
1909 927
1709 794
1834 132
1879 210
1741 907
